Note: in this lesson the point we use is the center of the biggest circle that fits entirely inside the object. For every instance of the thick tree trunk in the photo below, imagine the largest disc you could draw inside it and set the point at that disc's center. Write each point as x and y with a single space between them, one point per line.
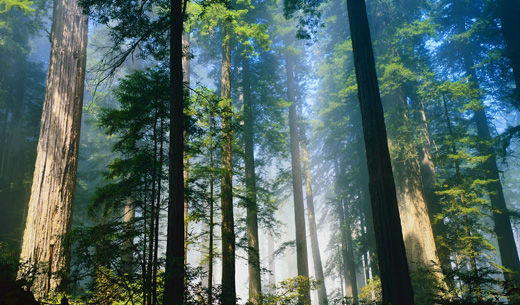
509 10
429 180
174 271
228 224
50 206
299 212
393 266
415 218
311 216
253 252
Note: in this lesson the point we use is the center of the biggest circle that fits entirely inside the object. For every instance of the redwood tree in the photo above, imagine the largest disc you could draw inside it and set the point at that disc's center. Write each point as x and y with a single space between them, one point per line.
54 180
174 273
393 266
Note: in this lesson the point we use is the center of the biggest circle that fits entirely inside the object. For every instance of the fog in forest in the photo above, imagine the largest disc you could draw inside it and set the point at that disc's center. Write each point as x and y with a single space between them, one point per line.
260 152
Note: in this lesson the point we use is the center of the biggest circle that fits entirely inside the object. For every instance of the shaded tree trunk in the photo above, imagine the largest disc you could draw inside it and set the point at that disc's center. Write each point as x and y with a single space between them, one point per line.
174 271
50 205
299 212
311 216
228 224
253 252
393 266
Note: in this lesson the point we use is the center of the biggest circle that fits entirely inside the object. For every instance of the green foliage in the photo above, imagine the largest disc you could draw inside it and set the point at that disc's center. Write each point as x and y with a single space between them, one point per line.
371 292
24 5
8 263
289 291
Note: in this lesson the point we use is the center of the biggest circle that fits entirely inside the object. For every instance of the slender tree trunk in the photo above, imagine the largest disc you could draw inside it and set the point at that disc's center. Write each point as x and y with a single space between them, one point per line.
151 239
351 265
174 272
228 224
509 10
186 172
311 216
253 252
128 245
347 253
50 206
158 212
393 266
349 269
145 242
211 222
299 212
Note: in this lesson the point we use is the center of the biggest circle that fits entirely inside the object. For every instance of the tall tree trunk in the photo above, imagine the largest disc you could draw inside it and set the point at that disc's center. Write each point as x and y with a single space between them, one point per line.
311 216
509 10
429 180
151 240
503 228
174 271
415 218
50 205
186 172
393 266
253 252
299 212
158 212
211 222
228 224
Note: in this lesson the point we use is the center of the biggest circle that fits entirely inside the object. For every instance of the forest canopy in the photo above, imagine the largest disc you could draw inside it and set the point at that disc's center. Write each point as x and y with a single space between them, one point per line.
260 152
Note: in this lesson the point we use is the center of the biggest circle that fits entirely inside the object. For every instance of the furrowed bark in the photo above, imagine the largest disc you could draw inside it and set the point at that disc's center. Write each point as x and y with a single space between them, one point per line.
50 205
419 241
